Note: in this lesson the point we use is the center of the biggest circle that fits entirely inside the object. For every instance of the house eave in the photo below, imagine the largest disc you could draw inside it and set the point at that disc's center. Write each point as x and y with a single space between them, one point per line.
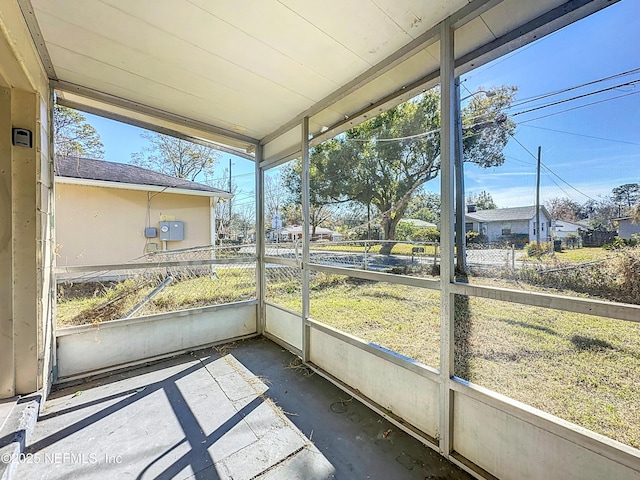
140 187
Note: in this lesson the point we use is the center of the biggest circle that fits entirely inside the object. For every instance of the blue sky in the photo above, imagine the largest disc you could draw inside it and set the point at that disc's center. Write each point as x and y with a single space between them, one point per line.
602 45
583 168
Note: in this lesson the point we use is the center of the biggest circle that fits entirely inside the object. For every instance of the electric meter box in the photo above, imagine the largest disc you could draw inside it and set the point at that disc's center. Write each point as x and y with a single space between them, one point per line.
172 231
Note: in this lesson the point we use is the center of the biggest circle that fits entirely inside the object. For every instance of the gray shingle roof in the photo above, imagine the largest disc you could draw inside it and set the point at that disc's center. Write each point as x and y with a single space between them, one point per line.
88 169
506 214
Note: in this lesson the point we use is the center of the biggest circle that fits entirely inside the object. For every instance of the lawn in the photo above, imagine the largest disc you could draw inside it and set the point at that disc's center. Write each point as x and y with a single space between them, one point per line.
397 249
95 302
582 255
581 368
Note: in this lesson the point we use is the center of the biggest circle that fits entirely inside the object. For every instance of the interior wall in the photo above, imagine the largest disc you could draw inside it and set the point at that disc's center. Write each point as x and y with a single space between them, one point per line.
25 215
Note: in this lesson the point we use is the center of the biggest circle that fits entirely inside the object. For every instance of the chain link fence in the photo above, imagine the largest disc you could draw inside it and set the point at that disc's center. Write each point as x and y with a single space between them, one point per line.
158 282
406 258
493 260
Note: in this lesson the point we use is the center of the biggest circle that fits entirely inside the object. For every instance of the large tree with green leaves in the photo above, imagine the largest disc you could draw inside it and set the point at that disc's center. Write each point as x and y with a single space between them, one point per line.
424 206
385 160
176 157
626 195
74 136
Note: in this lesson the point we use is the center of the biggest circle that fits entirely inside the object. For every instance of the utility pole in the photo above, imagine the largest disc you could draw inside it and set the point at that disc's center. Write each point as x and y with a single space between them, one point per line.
538 199
230 199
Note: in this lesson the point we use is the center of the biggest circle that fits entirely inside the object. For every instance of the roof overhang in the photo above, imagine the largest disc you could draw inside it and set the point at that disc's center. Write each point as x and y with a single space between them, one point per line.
240 75
135 186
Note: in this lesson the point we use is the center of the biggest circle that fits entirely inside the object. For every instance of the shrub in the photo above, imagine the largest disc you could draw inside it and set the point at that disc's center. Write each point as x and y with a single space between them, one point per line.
426 235
405 231
616 279
627 269
534 249
475 237
572 240
620 243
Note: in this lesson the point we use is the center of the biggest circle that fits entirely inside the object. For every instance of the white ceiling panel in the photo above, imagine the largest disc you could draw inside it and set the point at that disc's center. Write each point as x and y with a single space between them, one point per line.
199 29
471 36
290 34
365 38
414 68
500 19
417 16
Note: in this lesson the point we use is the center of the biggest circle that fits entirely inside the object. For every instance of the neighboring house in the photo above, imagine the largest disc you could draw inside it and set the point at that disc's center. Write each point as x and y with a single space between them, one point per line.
418 223
627 227
506 224
569 233
103 210
561 228
294 232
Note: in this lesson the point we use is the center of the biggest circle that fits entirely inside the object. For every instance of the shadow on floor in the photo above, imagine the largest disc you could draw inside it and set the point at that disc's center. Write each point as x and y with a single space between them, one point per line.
244 411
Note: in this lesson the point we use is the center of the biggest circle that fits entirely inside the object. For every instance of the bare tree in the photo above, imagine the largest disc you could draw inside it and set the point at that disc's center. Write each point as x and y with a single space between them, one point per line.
176 157
273 195
73 136
563 208
224 210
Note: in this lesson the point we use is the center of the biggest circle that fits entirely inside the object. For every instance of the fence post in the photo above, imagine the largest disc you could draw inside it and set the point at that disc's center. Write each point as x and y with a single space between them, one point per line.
513 257
365 254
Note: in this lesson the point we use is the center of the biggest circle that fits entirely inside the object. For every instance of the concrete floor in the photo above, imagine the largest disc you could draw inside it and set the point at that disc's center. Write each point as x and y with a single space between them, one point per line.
242 411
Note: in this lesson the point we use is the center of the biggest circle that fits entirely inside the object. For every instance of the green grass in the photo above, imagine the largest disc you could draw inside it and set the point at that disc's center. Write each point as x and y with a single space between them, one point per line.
88 303
397 249
578 367
583 255
571 257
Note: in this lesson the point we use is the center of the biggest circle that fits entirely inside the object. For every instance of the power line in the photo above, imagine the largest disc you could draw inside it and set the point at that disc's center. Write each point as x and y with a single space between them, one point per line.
225 178
580 135
519 161
578 107
574 87
567 183
577 97
558 185
546 167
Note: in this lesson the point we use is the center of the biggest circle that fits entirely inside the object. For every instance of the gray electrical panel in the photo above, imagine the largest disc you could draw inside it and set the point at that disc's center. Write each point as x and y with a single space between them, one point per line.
172 231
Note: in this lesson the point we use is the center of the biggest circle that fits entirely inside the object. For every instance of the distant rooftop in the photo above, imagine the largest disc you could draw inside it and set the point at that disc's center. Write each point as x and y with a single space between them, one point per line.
101 170
506 214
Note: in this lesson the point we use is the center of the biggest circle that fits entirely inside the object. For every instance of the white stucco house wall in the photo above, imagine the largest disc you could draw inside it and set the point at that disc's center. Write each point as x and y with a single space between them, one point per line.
502 224
561 228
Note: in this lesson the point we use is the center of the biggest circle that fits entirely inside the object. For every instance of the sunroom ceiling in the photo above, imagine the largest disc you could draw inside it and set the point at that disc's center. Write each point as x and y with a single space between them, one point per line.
237 72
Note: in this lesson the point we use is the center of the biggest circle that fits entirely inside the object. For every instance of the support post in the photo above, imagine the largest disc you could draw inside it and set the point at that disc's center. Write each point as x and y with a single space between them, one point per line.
447 154
7 357
461 244
306 224
261 280
213 233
